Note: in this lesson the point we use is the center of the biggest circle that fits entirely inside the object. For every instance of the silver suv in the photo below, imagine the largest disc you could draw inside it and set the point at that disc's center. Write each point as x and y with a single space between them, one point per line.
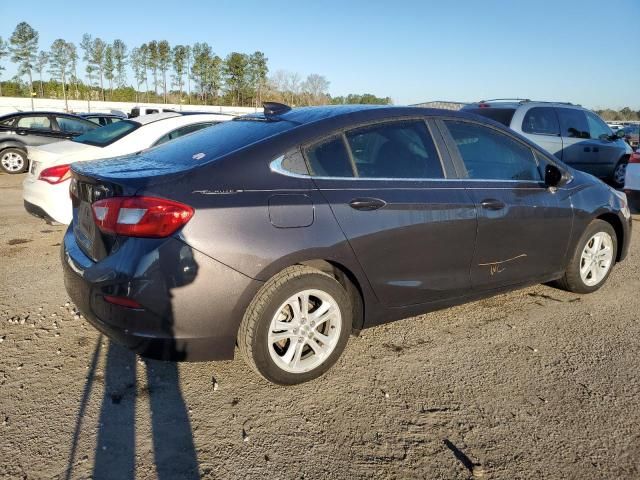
575 135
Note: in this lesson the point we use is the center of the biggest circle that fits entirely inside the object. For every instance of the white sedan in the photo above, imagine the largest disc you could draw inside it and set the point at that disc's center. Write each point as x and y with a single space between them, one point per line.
46 188
632 180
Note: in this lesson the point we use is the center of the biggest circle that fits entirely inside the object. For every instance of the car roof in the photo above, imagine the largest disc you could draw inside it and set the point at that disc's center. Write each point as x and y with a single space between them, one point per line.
99 114
153 117
39 112
518 102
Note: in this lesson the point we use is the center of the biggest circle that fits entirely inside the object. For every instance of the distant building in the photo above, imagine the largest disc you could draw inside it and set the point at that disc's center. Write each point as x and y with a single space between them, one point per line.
446 105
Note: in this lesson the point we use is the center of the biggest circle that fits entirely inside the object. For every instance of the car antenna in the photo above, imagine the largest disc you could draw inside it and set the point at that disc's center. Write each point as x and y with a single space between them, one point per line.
272 109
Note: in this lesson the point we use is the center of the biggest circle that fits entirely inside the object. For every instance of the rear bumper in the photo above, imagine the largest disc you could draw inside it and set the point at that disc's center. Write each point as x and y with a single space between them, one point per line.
53 200
192 304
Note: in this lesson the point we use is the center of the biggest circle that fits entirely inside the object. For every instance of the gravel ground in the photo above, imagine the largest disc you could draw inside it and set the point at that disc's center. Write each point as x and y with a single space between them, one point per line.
537 383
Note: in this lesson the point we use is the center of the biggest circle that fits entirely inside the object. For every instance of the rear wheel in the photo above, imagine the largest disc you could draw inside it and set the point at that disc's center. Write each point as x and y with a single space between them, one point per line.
13 160
592 260
296 327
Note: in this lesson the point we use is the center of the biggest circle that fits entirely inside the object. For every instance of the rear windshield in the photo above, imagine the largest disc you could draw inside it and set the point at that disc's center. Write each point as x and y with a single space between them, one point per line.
203 146
222 139
103 136
500 115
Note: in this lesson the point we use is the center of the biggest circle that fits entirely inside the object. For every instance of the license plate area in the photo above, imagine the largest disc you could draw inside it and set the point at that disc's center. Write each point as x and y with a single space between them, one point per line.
85 228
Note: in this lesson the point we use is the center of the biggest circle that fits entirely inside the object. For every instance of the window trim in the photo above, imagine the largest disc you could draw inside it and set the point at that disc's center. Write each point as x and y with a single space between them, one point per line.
342 133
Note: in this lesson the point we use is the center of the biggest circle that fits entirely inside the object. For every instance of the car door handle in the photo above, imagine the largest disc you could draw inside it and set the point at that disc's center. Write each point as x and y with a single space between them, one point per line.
492 204
587 149
367 204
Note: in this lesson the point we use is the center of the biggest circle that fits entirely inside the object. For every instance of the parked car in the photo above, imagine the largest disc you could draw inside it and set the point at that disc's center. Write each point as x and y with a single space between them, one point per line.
632 135
615 126
21 130
632 180
103 119
285 231
138 111
46 187
575 135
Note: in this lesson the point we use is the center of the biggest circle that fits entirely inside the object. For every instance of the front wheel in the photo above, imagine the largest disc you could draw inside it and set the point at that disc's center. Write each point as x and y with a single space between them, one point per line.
13 160
592 260
296 327
619 173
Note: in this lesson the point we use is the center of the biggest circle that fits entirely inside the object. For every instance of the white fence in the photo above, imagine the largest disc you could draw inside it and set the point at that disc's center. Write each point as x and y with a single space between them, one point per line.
16 104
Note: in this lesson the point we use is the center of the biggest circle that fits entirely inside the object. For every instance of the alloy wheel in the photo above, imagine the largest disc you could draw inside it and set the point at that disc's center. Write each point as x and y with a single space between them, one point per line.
12 162
596 259
620 173
304 331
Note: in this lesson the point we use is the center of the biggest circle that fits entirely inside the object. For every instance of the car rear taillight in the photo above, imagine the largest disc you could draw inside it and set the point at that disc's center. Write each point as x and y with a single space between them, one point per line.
55 174
635 157
484 105
140 216
122 301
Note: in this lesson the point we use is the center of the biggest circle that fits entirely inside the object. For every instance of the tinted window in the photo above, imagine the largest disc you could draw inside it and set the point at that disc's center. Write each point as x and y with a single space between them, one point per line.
7 122
597 128
35 123
72 125
500 115
329 158
489 154
573 123
103 136
395 150
179 132
541 121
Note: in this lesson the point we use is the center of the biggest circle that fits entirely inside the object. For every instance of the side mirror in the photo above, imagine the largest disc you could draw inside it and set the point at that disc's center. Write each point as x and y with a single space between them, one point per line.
620 133
553 176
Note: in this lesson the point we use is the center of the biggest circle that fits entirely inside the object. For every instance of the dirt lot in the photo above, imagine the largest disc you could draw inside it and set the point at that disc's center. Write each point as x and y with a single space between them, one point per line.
534 384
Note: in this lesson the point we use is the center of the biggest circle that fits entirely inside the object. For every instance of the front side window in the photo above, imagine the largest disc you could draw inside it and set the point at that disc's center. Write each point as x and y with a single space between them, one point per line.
573 123
36 122
491 155
395 150
329 158
541 121
597 128
72 125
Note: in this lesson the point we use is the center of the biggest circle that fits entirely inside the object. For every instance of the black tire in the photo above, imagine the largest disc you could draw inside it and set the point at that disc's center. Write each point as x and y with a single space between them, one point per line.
254 329
617 179
572 281
9 157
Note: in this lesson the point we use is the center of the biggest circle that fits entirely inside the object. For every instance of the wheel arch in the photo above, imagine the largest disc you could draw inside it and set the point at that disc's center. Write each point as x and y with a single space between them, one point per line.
615 222
350 283
12 144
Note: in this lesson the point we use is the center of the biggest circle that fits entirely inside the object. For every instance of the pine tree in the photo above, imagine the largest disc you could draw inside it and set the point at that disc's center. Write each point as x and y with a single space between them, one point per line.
24 45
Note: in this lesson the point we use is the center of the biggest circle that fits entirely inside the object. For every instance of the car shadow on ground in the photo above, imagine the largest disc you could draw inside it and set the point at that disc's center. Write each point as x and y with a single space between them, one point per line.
115 451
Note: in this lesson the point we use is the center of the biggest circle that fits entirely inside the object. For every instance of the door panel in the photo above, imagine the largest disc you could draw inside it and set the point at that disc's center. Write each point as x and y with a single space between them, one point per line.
524 239
417 248
523 227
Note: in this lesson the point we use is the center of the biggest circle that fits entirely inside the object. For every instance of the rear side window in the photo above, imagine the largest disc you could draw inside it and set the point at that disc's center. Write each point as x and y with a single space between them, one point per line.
72 125
541 121
38 122
491 155
500 115
395 150
330 158
573 123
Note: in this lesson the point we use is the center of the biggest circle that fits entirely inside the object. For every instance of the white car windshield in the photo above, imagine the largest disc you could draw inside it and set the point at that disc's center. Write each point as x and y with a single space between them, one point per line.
103 136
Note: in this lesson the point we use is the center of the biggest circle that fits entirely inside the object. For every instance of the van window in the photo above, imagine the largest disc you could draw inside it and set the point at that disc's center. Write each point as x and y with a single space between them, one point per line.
541 121
597 128
573 123
500 115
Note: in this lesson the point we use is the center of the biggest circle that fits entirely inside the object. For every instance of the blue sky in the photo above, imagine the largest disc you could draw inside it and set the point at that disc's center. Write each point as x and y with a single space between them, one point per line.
583 51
